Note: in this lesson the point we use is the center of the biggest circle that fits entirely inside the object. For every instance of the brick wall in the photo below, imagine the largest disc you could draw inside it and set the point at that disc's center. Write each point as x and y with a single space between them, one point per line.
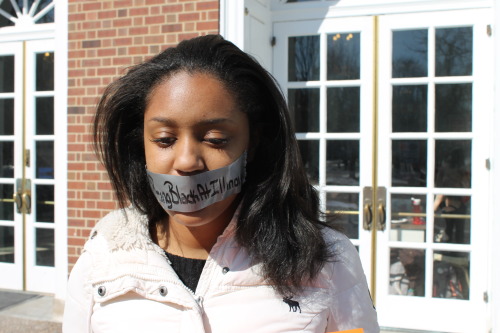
106 37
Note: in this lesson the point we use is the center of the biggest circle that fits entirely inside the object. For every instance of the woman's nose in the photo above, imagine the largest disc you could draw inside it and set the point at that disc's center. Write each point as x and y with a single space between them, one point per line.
188 158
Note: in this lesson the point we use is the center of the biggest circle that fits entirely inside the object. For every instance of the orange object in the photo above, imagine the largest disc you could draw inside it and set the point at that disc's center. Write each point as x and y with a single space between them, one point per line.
356 330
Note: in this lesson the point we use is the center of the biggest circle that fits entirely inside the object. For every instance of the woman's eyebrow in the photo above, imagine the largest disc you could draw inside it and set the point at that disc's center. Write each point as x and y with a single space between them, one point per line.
211 121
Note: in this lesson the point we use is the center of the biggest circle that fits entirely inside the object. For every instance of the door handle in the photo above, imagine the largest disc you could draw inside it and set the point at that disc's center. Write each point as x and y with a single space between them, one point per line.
381 204
22 196
19 202
367 208
26 199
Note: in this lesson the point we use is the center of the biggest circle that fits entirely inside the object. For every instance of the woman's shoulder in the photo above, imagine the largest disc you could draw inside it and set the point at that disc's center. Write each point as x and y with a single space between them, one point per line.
122 229
344 269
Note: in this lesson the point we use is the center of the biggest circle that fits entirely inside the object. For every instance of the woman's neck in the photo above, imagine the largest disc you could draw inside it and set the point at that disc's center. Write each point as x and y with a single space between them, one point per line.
193 242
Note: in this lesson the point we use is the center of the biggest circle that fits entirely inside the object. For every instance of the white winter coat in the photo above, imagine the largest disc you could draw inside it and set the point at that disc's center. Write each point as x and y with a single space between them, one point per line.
123 282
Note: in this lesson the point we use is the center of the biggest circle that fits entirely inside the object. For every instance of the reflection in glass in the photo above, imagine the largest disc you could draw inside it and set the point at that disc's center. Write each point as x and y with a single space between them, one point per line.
44 242
409 108
7 8
343 56
303 58
6 202
345 206
451 275
309 151
47 18
44 196
454 107
45 159
45 115
7 159
45 71
409 53
342 162
343 110
7 244
452 219
409 163
408 219
304 109
407 272
6 73
454 51
7 116
453 163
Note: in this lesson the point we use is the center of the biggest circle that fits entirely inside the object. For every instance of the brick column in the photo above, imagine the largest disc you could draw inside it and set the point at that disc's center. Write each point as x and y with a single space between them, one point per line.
106 37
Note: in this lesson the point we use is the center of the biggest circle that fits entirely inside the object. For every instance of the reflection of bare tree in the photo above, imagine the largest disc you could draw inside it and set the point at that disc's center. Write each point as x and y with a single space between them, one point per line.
303 55
409 108
454 107
343 56
304 108
409 53
454 51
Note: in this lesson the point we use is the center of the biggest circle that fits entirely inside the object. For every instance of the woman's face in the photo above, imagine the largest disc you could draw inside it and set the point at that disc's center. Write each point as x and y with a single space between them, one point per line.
192 124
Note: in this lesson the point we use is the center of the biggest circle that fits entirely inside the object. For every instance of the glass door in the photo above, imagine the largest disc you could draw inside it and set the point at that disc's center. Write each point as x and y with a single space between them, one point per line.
27 166
435 100
390 117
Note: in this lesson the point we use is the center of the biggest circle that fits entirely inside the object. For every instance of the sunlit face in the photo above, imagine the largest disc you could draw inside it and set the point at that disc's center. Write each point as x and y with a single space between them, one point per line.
192 124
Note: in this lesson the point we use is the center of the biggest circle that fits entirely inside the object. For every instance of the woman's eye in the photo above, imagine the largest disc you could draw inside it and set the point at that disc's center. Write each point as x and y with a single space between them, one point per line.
217 142
164 142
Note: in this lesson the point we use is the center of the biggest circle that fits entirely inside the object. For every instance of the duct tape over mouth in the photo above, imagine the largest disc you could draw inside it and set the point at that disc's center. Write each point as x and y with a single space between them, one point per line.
192 193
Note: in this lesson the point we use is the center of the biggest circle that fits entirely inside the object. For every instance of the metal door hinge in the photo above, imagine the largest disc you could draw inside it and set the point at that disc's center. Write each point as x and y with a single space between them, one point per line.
273 41
247 11
488 30
485 297
488 164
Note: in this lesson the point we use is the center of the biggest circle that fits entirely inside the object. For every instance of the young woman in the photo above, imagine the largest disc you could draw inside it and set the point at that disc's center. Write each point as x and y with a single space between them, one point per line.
223 231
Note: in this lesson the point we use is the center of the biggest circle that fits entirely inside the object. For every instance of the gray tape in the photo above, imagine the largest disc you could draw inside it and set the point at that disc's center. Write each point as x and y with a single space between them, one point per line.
192 193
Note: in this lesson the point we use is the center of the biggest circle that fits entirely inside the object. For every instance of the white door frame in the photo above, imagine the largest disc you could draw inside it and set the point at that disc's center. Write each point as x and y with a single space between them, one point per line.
60 36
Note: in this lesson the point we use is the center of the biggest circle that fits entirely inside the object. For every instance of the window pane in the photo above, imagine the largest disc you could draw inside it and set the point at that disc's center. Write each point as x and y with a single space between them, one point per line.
342 162
409 108
343 110
454 51
409 53
346 208
304 109
454 107
45 71
6 7
407 272
45 115
7 73
44 240
6 202
44 196
6 159
303 58
45 159
409 163
408 220
7 116
453 163
309 151
451 275
7 244
343 56
47 18
452 219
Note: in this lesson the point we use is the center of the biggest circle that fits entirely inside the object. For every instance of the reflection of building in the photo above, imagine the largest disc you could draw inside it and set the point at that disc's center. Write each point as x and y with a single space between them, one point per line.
379 91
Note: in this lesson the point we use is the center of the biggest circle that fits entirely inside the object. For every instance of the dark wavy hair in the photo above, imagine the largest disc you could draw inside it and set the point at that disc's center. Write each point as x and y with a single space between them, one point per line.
279 224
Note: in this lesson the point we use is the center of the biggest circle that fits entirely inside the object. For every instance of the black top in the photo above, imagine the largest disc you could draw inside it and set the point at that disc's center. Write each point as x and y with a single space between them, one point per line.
189 270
